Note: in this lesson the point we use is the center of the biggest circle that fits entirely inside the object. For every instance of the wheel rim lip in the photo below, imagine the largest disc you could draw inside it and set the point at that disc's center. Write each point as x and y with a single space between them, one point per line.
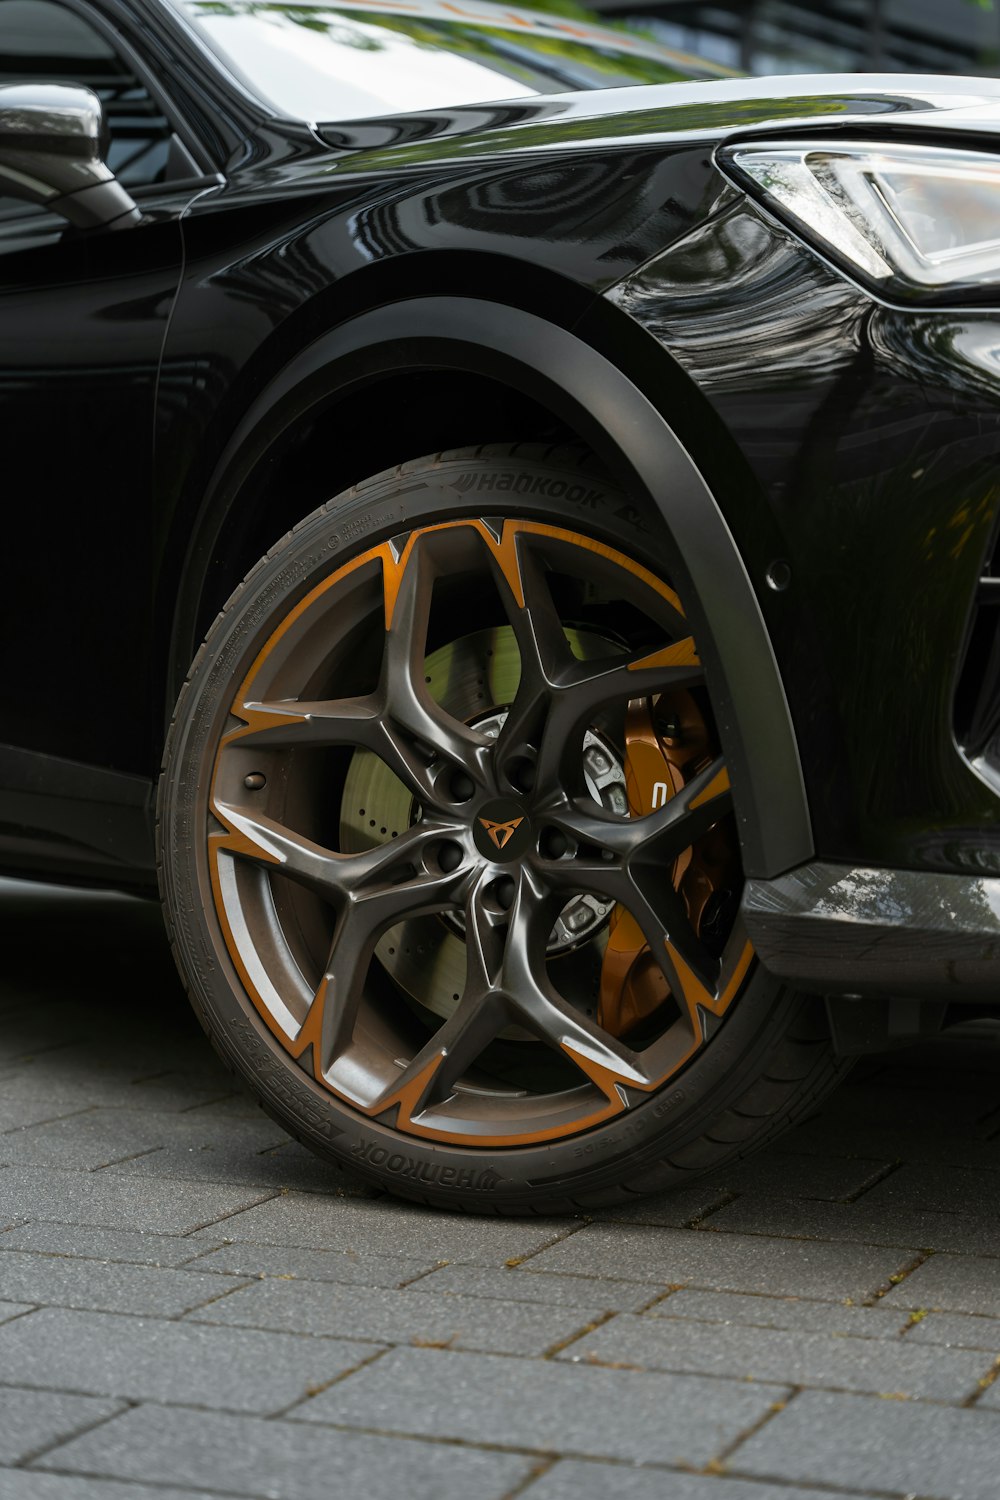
442 1124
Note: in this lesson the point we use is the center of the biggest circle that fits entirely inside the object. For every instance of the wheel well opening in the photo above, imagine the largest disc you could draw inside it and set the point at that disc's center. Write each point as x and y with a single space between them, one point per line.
371 429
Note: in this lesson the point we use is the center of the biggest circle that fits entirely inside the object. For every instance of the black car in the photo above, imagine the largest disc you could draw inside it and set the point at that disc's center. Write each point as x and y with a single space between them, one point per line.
538 500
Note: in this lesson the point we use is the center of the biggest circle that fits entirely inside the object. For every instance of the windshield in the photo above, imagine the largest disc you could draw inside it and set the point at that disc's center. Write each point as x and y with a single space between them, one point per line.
349 61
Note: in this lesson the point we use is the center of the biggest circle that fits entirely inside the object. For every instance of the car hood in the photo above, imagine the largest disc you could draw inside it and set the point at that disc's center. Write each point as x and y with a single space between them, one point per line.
357 59
884 105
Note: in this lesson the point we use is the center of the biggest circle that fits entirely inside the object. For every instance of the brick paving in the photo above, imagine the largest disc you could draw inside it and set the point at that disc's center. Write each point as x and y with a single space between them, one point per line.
191 1305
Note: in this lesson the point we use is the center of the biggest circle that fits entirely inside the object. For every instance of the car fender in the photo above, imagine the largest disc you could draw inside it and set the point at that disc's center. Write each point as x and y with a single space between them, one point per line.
597 400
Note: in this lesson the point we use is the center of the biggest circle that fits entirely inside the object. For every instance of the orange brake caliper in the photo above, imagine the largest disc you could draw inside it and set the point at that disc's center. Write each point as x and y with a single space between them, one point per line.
633 985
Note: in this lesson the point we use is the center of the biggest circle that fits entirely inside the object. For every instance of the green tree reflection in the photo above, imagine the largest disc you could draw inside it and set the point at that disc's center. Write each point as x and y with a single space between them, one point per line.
594 52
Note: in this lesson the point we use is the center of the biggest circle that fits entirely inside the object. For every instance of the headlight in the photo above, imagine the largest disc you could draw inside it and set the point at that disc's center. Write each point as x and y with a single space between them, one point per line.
910 221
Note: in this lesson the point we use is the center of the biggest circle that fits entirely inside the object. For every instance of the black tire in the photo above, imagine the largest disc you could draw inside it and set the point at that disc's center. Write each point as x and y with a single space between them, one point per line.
248 903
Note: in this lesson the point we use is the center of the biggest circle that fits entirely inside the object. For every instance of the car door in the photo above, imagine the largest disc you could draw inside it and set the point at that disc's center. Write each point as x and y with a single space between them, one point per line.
82 321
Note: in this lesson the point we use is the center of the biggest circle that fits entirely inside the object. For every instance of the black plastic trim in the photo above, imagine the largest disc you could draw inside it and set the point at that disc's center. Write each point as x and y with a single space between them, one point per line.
58 814
878 932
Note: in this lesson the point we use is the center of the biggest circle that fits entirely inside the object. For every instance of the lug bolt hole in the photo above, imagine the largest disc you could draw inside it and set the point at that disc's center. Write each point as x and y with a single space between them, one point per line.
462 786
778 576
502 892
553 843
522 775
449 856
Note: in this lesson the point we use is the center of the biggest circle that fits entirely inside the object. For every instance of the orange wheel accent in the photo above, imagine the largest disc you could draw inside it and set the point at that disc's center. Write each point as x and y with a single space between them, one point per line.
514 841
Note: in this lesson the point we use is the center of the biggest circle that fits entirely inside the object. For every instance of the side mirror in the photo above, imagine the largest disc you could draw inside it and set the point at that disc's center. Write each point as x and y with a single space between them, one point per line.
51 154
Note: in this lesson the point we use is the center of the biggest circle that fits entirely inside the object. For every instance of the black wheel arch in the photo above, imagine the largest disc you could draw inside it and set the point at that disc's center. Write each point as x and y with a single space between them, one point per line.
560 374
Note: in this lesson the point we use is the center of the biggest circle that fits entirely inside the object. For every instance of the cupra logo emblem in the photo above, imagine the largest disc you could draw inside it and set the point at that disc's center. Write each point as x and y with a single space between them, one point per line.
501 833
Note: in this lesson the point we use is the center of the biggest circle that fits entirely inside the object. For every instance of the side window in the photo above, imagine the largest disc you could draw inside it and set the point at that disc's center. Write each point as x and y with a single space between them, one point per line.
45 42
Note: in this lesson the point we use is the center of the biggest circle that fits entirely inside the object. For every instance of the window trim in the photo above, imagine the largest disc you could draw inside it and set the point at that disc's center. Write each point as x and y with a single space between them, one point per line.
179 124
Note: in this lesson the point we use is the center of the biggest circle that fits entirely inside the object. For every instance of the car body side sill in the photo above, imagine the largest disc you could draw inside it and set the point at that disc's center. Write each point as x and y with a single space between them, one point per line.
62 819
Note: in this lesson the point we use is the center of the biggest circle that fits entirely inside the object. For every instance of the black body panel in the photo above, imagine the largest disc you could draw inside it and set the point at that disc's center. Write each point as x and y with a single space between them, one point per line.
871 435
336 301
82 323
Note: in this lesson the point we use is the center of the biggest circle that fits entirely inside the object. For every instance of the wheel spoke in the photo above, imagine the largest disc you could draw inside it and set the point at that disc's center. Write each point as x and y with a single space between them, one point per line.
481 1014
369 910
535 1002
691 986
391 877
414 728
553 713
558 694
654 839
699 995
449 1054
527 600
589 685
588 875
296 722
372 891
685 818
671 939
662 918
602 843
542 647
586 687
399 722
628 860
329 1022
403 731
260 838
607 1062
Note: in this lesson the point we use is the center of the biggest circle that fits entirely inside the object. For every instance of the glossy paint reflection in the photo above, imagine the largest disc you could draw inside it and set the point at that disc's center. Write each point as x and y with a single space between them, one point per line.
352 61
873 434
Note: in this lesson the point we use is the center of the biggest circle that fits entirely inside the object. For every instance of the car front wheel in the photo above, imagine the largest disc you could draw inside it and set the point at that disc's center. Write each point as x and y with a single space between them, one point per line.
448 853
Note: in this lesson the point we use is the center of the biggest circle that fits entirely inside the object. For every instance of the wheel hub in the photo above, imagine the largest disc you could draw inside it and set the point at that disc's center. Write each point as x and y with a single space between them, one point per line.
502 831
426 957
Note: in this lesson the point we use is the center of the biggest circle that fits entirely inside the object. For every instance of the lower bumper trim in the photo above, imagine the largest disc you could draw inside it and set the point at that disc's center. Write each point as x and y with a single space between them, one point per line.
844 929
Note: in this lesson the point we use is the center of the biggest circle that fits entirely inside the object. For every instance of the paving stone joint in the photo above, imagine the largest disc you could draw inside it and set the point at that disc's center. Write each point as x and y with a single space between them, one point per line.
192 1305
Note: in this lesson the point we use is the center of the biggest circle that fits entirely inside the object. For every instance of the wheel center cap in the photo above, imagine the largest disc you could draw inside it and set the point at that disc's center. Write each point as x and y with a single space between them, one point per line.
502 831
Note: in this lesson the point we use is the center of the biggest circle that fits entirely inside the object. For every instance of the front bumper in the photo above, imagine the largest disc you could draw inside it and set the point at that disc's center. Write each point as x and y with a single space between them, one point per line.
902 933
859 444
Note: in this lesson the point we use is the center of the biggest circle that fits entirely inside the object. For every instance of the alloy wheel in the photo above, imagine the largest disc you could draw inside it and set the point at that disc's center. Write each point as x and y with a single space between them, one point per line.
472 849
